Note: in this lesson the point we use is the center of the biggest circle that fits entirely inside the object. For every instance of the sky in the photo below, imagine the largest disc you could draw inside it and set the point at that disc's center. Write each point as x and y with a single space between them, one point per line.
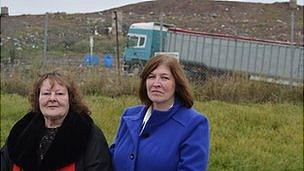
19 7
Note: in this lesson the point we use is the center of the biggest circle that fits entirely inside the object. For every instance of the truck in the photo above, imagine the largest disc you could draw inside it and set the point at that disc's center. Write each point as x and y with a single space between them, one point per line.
201 52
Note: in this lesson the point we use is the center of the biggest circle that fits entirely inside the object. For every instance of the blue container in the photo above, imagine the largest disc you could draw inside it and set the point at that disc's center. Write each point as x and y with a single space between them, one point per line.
91 59
108 60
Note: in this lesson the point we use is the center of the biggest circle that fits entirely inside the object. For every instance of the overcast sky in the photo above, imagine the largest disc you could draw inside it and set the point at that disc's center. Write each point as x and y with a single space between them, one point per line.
19 7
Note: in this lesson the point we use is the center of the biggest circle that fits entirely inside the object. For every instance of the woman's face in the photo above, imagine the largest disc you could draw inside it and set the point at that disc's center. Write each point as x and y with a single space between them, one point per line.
53 101
160 86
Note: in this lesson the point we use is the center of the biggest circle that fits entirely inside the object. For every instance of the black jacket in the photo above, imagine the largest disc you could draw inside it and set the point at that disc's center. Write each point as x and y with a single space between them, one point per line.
78 141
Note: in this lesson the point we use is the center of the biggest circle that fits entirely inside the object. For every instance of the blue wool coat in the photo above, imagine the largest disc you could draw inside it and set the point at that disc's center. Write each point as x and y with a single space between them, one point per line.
177 139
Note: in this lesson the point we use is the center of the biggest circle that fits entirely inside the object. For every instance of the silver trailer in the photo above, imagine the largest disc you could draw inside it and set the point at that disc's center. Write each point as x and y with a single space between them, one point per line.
263 58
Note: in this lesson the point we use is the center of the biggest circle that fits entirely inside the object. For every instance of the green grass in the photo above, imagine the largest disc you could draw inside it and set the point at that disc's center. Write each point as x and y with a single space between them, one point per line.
243 136
255 136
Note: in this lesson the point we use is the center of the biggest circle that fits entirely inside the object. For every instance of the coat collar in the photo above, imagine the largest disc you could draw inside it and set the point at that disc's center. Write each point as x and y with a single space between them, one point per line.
134 121
69 144
159 117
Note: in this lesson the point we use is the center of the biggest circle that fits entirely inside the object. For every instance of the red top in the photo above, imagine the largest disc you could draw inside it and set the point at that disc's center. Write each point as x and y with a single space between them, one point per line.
70 167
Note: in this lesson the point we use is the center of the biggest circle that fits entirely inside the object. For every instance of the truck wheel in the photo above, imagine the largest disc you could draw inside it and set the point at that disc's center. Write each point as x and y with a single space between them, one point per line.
136 69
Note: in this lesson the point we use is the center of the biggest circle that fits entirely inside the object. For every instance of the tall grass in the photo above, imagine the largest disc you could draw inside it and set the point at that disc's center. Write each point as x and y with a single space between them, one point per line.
239 89
103 81
244 136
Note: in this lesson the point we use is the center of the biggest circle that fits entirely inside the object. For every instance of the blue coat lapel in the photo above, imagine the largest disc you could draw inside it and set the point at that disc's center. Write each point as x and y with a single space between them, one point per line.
133 124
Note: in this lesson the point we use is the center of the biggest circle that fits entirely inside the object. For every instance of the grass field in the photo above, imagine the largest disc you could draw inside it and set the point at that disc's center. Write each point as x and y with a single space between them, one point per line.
243 136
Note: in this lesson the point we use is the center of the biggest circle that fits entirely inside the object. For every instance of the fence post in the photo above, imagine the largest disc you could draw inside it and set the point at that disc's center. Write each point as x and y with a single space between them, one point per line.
292 5
45 39
117 43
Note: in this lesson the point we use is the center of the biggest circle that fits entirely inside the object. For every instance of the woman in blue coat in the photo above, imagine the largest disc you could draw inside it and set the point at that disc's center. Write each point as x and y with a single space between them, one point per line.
164 134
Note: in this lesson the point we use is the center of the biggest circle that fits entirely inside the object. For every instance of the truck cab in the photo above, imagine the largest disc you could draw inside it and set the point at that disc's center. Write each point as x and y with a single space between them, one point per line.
143 40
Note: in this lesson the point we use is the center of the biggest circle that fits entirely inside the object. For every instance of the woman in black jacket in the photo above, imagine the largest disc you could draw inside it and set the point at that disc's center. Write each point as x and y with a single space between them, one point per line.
57 134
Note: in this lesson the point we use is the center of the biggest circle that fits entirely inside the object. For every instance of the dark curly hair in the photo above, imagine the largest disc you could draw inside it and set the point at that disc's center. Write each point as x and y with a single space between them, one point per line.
75 99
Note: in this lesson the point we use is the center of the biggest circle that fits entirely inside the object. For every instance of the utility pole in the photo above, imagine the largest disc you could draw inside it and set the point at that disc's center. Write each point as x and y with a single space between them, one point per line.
117 43
45 39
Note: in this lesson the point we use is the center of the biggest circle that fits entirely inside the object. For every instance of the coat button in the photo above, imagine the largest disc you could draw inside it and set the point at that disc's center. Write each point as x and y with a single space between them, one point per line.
131 156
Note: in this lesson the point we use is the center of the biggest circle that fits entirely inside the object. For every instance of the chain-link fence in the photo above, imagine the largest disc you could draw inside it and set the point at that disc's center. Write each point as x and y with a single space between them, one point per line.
39 43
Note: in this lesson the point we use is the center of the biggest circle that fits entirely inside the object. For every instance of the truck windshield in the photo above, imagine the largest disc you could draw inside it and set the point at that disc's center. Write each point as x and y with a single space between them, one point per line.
132 41
136 41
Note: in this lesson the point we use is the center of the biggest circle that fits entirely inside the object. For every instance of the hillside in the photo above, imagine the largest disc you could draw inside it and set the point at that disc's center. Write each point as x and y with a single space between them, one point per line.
263 21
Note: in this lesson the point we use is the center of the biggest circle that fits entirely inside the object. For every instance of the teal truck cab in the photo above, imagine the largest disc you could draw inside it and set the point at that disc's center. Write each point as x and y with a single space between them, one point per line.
144 39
